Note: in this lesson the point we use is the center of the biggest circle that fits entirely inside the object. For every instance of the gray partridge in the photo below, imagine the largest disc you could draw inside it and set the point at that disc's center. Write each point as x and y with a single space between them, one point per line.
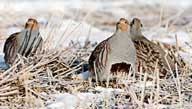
148 53
24 43
116 53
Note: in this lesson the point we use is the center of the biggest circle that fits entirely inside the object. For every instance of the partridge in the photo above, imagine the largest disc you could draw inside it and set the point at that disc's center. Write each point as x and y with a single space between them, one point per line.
25 43
116 53
149 55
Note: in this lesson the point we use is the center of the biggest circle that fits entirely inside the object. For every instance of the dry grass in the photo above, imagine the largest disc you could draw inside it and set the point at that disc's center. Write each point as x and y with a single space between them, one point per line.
32 81
29 78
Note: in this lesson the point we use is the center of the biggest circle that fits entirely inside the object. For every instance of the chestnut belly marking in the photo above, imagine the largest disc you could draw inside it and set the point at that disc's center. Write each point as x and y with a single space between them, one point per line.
120 67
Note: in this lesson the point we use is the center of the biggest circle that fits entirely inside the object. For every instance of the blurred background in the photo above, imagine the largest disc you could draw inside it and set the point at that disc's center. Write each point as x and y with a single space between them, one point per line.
79 20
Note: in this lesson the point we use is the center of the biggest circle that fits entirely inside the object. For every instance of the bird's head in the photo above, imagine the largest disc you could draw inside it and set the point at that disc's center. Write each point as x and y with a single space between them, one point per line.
32 24
135 27
122 25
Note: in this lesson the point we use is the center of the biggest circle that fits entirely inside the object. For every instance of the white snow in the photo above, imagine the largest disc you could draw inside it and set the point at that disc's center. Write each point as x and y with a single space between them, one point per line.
83 75
64 101
80 100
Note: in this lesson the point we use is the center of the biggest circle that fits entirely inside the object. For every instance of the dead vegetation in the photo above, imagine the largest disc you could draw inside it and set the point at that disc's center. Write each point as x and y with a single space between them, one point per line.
32 81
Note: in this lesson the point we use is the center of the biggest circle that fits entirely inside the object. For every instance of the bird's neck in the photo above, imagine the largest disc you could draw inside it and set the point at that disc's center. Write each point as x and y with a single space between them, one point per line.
32 29
135 35
121 31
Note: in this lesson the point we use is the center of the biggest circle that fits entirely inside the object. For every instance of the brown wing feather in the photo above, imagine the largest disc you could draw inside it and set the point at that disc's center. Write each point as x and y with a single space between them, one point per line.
172 52
148 54
96 52
98 59
10 48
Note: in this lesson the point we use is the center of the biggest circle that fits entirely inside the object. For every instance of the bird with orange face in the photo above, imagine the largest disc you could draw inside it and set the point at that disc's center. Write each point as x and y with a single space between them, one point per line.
24 43
116 53
149 55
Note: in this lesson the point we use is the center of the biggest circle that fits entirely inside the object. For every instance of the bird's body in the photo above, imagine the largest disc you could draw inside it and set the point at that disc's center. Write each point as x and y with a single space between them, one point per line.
117 49
24 43
150 56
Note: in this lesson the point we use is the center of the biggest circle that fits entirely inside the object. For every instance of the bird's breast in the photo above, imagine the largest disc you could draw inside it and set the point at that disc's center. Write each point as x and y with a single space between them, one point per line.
122 49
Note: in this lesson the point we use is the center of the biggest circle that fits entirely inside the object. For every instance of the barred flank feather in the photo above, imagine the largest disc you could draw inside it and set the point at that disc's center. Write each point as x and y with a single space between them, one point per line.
10 48
98 58
24 43
32 41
